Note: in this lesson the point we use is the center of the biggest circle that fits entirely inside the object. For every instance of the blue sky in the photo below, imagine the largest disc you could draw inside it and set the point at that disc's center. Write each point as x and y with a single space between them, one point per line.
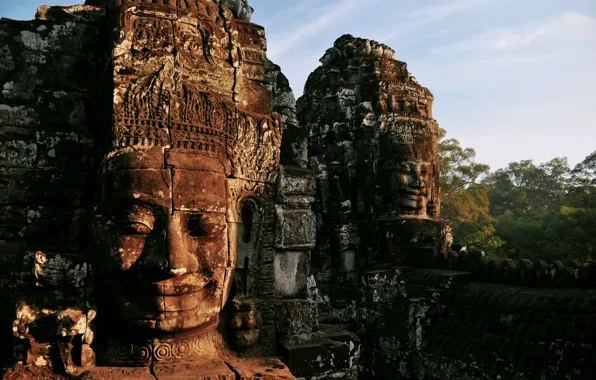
513 79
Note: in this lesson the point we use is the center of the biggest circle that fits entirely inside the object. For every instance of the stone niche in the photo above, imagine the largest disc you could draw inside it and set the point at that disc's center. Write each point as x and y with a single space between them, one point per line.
148 227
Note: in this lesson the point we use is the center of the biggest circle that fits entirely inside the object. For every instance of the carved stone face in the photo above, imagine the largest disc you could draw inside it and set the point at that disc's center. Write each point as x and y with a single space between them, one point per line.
407 187
408 175
413 180
164 262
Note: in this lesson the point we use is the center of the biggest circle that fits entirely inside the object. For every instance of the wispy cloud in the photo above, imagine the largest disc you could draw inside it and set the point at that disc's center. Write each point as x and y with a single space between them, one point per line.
563 29
567 26
330 14
422 17
523 52
292 11
504 61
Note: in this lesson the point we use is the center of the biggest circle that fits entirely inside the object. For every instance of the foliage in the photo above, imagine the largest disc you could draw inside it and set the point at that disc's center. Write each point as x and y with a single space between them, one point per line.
545 211
485 238
462 197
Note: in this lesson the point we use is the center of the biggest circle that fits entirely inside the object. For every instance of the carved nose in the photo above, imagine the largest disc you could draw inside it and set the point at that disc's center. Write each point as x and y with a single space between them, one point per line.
416 181
179 260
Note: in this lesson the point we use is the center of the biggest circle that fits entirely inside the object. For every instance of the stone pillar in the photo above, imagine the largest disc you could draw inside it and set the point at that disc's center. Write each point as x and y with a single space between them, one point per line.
294 239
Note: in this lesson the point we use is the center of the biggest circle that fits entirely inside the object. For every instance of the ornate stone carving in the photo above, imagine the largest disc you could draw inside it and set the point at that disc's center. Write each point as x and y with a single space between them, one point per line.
240 8
123 352
182 157
297 229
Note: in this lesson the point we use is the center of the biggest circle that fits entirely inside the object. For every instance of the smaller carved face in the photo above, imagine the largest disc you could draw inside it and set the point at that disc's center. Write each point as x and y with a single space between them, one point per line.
411 184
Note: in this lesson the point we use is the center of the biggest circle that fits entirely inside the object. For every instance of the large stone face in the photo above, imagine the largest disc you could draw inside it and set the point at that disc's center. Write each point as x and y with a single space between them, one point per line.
190 111
161 162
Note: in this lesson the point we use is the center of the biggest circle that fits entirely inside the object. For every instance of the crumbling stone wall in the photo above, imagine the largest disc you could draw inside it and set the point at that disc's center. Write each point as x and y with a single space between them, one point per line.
456 324
48 73
294 148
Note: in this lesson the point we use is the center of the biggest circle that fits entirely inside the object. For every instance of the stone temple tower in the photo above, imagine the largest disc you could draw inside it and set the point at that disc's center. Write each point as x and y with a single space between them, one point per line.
372 143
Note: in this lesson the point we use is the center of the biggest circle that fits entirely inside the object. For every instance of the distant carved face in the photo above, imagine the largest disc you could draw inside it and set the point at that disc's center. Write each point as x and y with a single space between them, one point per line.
164 257
413 179
411 182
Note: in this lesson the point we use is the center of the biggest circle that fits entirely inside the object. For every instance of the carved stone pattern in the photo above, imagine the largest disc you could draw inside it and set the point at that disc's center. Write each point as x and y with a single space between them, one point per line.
410 132
250 40
298 229
141 120
254 56
253 71
203 9
151 35
257 152
178 350
201 122
249 28
193 45
238 189
251 36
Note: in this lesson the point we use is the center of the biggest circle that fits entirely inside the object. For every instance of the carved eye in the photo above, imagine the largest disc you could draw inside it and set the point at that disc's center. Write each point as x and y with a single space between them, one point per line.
404 169
136 228
196 226
133 219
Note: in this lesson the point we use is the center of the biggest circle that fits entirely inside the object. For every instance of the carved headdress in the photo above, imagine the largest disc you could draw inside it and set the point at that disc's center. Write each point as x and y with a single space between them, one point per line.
179 86
240 8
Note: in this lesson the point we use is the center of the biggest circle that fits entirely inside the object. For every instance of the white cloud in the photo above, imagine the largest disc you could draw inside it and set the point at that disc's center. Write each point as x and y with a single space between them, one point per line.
519 54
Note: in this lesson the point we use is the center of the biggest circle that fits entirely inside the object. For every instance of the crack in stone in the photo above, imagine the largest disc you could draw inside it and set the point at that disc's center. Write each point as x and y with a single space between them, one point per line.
227 25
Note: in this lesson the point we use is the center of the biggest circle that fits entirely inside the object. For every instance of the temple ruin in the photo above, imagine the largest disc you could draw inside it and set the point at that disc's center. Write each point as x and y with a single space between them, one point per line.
168 210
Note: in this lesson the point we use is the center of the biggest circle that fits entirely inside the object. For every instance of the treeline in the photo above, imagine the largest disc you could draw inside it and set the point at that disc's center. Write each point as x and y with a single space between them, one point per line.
524 211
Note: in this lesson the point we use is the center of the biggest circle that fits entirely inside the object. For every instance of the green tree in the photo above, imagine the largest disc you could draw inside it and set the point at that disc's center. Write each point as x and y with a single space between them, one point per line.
462 197
586 170
583 189
485 238
545 211
523 186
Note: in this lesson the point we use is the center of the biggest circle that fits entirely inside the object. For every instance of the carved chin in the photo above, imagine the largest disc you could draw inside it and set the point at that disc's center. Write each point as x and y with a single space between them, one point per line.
165 314
174 324
415 205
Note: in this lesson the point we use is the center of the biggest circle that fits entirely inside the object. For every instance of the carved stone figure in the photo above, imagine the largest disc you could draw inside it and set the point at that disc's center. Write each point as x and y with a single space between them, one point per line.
373 147
189 151
166 222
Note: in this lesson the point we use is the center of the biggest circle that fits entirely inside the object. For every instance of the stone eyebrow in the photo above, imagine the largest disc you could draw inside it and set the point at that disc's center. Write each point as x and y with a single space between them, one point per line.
125 202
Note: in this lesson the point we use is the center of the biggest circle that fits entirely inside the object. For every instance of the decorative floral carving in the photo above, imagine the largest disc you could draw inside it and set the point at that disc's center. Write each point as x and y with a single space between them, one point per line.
162 351
142 353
